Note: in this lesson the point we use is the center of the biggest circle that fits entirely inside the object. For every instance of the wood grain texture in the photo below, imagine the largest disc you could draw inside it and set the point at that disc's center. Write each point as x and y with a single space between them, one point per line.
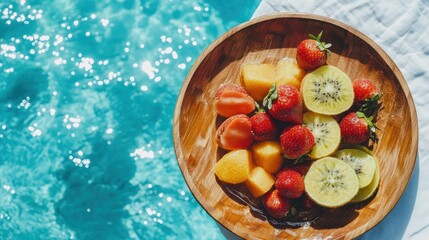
269 39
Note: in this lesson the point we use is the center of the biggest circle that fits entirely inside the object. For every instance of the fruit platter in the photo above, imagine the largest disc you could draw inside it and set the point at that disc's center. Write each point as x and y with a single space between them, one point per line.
295 126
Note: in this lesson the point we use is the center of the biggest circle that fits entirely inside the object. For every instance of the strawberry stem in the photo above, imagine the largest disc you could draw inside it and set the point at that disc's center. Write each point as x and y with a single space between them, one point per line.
293 211
301 159
371 125
370 105
271 96
258 108
323 47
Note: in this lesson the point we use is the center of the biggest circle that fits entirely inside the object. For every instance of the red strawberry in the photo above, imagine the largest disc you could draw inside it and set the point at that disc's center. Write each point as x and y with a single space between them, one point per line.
357 128
366 96
364 89
312 53
307 201
232 99
284 103
276 205
263 126
235 133
296 141
290 183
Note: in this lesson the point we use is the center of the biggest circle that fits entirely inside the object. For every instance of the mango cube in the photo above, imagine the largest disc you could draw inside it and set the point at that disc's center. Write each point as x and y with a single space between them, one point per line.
259 182
267 154
257 79
288 72
234 167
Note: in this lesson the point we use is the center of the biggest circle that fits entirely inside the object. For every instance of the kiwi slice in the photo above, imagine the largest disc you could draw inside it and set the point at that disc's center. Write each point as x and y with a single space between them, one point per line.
331 182
326 132
368 191
361 162
327 90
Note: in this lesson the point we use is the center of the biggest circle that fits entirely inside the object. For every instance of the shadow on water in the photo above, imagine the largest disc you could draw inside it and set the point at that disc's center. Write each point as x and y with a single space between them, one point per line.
95 197
28 82
228 9
94 202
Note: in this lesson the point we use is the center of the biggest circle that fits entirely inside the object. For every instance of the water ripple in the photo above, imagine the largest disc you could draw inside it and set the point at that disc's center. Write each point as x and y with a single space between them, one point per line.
87 92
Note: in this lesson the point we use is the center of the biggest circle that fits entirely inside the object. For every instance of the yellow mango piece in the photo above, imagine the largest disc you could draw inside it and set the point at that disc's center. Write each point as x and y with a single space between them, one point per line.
259 182
234 167
257 79
268 155
288 72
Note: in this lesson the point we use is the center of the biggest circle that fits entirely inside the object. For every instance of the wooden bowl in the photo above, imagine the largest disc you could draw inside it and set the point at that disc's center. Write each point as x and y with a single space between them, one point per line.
266 40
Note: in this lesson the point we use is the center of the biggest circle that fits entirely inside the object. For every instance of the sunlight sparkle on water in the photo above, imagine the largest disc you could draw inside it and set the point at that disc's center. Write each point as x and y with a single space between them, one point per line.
148 69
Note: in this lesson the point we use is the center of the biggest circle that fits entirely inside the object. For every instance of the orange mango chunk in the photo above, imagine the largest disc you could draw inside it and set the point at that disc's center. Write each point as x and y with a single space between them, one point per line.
259 182
257 79
234 167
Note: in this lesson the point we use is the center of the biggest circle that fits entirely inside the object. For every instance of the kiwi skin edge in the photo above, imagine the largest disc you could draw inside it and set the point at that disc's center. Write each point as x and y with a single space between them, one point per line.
365 192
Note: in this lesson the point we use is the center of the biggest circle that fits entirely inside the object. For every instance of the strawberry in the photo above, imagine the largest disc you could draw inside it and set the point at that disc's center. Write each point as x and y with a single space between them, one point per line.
276 205
289 183
364 89
366 96
312 53
263 126
232 99
284 103
357 128
235 133
307 201
296 141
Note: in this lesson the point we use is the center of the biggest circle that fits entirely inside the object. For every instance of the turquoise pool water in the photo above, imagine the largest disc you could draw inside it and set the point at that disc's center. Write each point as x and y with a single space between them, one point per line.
87 93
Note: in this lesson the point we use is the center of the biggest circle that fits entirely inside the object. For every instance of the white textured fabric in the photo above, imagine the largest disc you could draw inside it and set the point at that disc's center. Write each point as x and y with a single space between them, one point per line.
401 28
